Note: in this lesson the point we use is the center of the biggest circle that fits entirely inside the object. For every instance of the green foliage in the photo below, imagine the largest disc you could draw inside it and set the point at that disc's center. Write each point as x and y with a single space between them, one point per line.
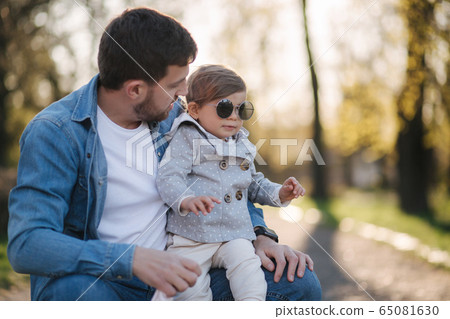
5 267
8 277
28 76
366 120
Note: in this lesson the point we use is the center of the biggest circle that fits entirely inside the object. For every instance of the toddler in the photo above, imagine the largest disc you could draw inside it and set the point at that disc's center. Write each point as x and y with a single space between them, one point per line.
207 175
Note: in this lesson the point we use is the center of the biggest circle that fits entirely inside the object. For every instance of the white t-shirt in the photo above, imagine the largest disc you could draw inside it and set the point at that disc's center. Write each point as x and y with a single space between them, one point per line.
133 207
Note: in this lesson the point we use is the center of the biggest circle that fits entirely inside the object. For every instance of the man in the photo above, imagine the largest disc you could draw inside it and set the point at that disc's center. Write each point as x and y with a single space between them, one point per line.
88 227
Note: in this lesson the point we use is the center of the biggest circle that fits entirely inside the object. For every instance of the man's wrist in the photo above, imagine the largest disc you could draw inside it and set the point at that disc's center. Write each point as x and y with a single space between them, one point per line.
264 231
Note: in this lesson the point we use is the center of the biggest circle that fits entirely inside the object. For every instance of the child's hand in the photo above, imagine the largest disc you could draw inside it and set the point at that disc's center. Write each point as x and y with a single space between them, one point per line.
203 204
291 189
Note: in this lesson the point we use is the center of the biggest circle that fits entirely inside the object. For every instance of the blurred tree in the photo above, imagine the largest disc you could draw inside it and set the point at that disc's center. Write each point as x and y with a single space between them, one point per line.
28 81
42 58
396 94
370 72
415 140
28 77
320 183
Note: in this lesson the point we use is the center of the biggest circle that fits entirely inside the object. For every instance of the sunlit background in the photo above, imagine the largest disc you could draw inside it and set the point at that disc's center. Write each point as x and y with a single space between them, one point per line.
377 111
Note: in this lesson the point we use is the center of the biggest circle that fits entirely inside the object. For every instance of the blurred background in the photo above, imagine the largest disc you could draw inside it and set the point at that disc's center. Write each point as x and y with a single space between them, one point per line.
362 87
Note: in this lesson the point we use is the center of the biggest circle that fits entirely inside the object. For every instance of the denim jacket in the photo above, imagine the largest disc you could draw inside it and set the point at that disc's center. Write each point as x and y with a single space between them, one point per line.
57 205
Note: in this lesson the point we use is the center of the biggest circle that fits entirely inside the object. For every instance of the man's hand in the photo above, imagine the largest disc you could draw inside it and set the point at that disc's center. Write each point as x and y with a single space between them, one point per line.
291 189
203 204
267 249
167 272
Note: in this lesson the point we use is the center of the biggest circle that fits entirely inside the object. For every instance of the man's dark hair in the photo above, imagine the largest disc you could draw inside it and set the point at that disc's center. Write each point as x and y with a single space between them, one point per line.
142 42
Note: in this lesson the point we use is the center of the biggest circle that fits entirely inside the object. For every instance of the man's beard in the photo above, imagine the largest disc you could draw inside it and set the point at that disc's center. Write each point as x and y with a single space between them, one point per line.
146 112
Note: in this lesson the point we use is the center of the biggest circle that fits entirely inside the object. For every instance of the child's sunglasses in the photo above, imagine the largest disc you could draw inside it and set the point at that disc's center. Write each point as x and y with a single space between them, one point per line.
225 107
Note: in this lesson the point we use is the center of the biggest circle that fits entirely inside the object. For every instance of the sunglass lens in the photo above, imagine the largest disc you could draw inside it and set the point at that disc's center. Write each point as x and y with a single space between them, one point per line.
225 108
246 110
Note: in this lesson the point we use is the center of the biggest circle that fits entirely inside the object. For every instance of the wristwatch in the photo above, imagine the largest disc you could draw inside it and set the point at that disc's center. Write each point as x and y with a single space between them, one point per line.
261 230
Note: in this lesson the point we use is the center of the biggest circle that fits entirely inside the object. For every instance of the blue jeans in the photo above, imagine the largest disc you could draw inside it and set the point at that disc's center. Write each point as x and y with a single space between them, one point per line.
73 286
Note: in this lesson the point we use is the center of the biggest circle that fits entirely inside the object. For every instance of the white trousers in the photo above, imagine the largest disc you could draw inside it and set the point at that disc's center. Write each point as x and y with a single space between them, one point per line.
243 267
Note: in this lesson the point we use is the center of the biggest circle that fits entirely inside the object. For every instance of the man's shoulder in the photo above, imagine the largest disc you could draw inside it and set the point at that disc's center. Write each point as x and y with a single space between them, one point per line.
63 117
60 111
74 107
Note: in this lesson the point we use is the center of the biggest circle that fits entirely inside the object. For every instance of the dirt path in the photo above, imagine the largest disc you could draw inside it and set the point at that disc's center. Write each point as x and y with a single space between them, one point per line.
364 269
19 292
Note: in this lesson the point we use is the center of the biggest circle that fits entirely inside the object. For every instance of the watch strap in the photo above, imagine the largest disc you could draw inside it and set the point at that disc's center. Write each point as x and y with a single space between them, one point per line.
261 230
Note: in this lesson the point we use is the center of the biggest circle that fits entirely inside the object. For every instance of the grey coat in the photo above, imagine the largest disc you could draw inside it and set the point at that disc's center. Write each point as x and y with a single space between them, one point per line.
198 163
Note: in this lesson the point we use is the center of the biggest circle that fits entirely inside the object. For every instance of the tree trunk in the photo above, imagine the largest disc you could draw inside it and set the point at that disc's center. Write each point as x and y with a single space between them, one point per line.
414 159
320 186
4 140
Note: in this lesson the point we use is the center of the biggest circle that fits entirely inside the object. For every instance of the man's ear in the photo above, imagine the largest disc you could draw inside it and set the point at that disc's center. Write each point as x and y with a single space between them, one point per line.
135 89
193 108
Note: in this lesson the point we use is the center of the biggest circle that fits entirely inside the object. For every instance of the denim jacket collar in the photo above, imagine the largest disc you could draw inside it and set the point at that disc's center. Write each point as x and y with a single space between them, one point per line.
86 104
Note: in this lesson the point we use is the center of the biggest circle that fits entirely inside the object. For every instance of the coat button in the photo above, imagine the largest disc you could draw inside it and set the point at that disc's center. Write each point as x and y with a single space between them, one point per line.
223 164
227 198
245 165
239 195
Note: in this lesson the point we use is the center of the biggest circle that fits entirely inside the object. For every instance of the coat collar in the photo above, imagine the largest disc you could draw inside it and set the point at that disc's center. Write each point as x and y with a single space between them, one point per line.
243 147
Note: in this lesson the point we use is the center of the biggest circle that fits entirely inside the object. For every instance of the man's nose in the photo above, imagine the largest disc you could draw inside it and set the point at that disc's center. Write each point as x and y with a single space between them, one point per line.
183 89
